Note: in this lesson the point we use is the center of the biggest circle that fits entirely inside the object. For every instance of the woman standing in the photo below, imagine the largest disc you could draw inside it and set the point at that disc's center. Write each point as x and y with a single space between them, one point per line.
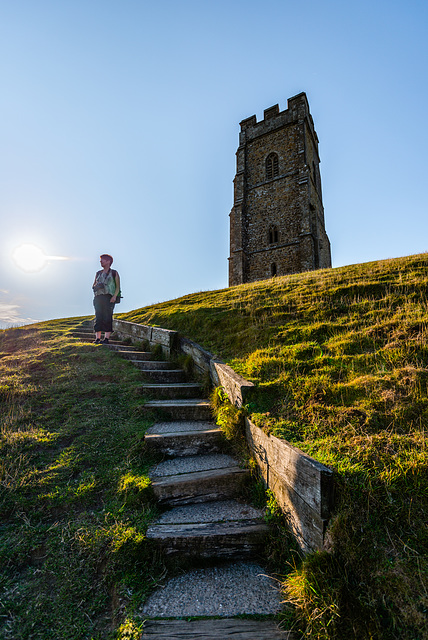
106 288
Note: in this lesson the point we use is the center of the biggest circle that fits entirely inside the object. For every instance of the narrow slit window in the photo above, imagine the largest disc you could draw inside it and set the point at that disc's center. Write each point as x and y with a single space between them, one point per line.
273 234
273 269
272 165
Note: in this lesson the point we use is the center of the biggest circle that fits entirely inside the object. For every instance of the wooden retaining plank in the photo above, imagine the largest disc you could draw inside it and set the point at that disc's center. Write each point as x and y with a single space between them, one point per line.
226 540
186 443
222 629
200 486
301 485
310 479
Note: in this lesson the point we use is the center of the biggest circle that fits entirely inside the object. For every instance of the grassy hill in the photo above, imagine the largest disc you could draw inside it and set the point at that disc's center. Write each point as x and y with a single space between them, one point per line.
75 498
340 363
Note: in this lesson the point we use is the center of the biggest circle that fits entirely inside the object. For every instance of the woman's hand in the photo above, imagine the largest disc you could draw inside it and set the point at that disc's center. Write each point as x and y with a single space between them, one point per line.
113 299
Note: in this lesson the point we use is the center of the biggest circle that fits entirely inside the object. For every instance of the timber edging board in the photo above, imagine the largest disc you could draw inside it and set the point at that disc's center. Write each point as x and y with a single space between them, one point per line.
235 628
302 486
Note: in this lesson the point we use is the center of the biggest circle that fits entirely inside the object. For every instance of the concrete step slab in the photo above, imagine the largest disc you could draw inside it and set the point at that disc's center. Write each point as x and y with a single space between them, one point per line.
90 337
200 486
211 512
184 438
222 629
119 347
129 352
233 589
223 530
163 376
188 409
172 390
87 336
180 426
150 365
190 464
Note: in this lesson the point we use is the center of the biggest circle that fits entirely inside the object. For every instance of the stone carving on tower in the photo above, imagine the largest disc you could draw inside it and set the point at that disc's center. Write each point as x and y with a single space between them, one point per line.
277 220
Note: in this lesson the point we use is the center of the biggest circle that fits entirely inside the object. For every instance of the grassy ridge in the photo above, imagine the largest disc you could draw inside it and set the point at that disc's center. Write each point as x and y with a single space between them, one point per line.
340 362
75 499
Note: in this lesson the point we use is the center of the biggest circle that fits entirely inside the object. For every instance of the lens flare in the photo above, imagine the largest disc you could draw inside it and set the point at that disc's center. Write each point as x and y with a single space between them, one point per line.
29 257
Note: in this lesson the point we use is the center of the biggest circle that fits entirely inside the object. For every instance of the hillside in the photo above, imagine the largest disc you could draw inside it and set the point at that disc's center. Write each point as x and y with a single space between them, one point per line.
339 358
75 498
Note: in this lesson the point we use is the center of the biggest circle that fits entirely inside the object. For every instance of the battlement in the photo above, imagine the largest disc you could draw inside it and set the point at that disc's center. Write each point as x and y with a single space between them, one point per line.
297 109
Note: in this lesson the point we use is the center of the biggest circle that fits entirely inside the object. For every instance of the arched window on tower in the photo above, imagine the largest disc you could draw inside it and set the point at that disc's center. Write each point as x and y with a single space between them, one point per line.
273 234
272 166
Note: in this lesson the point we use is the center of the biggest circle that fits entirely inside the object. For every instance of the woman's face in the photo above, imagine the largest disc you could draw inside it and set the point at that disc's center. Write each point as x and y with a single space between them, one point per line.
105 263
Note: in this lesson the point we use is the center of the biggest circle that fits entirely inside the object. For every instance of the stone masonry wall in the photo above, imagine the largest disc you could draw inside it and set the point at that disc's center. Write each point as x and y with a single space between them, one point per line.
290 203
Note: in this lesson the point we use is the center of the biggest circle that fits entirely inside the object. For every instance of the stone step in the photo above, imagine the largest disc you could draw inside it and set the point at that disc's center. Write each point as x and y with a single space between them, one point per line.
223 530
229 628
86 324
188 409
184 437
220 541
150 365
173 390
129 352
201 478
165 376
89 336
118 346
232 589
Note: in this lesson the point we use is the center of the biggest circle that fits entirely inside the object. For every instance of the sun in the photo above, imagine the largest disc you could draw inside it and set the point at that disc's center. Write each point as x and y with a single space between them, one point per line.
29 257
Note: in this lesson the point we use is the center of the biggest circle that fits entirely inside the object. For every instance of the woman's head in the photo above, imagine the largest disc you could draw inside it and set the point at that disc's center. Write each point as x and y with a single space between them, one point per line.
106 258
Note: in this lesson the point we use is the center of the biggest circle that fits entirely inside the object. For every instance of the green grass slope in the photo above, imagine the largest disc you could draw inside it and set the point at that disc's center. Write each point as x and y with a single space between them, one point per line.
75 498
340 363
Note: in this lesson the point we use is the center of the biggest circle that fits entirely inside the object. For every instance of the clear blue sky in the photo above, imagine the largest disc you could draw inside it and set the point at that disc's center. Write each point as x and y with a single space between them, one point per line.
120 121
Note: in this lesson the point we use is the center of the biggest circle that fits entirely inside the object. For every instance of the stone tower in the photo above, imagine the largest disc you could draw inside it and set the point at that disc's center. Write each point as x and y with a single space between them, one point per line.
277 219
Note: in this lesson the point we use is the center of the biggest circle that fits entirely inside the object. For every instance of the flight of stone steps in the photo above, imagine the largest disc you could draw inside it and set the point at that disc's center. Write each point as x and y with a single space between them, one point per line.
206 523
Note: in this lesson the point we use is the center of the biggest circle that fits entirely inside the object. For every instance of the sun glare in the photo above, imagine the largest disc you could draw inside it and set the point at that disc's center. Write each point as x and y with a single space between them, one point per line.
28 257
31 258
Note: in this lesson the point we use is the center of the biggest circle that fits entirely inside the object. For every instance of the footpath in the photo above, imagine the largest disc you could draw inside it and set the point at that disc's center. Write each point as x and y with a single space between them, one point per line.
207 527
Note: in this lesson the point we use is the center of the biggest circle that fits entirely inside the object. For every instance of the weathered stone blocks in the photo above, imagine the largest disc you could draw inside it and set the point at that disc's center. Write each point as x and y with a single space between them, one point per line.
287 197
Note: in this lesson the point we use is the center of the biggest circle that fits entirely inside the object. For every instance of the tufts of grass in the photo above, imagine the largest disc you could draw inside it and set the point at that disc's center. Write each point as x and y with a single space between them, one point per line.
75 498
339 359
229 418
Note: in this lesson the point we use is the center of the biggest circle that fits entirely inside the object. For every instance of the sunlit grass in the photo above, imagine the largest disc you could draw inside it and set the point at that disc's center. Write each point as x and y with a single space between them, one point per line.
340 362
73 552
339 359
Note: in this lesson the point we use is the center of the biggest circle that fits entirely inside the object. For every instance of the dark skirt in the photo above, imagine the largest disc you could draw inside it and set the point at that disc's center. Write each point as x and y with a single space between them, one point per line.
103 313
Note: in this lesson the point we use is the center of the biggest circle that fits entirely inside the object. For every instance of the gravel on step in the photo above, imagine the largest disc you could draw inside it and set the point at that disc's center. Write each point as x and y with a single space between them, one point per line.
229 590
189 464
210 512
180 426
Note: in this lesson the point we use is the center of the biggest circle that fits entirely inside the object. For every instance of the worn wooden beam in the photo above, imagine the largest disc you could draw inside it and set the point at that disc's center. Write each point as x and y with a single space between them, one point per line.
222 629
302 486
